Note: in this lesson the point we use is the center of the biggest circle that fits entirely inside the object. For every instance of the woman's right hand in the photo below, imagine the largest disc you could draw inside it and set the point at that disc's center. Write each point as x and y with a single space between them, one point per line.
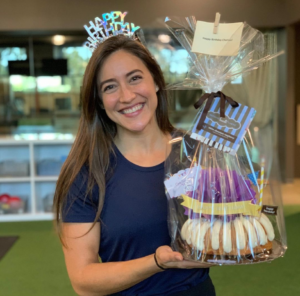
167 258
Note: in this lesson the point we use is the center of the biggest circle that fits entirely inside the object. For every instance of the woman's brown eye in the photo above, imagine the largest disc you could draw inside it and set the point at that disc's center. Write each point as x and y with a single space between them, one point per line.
109 87
134 78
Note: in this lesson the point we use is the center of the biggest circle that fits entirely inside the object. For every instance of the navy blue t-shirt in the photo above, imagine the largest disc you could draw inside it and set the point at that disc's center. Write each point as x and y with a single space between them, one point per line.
133 222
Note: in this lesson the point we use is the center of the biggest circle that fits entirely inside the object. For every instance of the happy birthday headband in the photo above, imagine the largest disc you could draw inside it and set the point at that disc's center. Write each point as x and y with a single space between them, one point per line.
108 27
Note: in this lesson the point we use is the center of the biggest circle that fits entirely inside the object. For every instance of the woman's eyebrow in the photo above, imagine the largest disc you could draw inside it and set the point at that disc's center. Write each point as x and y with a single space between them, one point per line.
114 80
133 71
106 81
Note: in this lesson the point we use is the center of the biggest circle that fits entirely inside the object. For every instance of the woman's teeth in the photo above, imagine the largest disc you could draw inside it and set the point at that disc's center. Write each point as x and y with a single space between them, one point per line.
133 109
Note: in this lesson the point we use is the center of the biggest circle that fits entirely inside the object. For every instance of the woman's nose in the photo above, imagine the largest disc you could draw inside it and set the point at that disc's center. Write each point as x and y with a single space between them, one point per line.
126 94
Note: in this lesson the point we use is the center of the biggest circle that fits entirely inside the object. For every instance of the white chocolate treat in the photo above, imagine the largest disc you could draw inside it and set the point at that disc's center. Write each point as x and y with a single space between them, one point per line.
257 231
227 243
261 234
184 228
190 230
268 226
240 234
252 237
201 231
215 238
196 227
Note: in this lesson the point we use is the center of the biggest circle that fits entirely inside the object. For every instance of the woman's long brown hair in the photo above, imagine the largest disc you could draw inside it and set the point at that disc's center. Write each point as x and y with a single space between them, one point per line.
93 142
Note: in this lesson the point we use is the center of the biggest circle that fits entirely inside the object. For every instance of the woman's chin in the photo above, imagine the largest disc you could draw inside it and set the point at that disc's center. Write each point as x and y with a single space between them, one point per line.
136 128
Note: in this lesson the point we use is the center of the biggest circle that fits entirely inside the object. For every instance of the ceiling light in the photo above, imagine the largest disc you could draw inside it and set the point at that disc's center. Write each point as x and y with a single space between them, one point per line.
164 38
58 39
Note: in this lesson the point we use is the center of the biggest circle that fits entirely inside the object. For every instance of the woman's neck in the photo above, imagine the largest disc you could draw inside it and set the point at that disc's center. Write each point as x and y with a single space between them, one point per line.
145 148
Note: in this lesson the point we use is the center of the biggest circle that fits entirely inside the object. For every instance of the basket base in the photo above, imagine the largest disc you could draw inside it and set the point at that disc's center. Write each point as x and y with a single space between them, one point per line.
263 254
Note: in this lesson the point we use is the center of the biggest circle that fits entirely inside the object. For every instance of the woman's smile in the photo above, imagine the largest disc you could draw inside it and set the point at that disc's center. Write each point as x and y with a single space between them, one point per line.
133 110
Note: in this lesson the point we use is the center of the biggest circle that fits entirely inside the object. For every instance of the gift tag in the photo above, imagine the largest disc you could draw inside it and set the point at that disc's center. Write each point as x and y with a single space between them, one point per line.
269 210
182 181
225 43
224 133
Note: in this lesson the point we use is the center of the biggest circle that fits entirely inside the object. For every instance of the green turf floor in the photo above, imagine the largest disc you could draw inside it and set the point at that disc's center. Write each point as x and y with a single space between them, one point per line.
34 266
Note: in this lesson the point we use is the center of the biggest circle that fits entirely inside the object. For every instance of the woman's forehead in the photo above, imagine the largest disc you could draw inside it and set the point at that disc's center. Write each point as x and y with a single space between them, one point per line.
120 63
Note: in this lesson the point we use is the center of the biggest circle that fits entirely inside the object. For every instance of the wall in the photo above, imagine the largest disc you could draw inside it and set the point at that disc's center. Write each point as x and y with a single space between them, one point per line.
73 14
293 10
297 95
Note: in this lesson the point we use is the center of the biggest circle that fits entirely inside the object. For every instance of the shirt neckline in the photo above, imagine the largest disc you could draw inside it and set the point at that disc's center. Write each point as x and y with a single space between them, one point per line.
135 166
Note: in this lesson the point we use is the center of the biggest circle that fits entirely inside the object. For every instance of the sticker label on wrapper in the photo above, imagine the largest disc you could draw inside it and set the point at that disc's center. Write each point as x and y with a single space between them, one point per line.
224 133
269 210
230 208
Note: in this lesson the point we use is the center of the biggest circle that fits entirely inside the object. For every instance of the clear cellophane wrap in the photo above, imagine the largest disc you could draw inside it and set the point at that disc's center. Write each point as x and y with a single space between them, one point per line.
223 208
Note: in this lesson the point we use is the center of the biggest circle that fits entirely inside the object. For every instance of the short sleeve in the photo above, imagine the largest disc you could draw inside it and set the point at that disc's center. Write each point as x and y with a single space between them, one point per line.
78 206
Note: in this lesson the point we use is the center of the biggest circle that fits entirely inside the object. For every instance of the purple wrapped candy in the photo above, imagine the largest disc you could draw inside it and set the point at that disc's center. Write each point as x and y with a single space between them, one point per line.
217 186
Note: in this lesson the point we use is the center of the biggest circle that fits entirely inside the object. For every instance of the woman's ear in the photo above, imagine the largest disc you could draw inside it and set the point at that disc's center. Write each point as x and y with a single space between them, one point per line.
156 88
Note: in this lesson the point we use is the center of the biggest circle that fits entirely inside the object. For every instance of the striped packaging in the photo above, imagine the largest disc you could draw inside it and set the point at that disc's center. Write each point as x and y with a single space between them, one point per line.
224 133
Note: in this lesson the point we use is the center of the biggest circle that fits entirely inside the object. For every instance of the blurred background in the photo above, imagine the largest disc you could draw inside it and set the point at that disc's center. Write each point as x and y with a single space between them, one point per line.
42 63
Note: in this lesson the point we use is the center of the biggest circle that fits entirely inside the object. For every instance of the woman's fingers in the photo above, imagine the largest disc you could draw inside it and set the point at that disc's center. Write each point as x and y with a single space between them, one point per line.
165 254
191 264
167 258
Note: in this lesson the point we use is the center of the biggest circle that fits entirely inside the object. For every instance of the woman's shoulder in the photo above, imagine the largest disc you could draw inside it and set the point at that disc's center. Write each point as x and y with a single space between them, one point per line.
79 183
84 174
80 206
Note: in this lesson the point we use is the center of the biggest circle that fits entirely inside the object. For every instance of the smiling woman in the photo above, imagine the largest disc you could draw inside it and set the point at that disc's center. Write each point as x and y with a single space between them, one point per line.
110 198
128 92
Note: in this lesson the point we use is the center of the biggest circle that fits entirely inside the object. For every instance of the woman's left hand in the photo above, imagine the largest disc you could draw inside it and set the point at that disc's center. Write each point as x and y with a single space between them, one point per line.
167 258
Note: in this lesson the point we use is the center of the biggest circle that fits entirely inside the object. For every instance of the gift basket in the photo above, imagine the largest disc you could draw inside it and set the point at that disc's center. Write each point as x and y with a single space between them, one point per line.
222 204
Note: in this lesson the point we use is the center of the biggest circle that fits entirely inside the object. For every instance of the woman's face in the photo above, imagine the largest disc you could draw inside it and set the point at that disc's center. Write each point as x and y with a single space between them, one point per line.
128 92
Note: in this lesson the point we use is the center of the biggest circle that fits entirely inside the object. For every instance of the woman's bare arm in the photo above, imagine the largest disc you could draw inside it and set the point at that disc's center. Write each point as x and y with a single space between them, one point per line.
91 278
